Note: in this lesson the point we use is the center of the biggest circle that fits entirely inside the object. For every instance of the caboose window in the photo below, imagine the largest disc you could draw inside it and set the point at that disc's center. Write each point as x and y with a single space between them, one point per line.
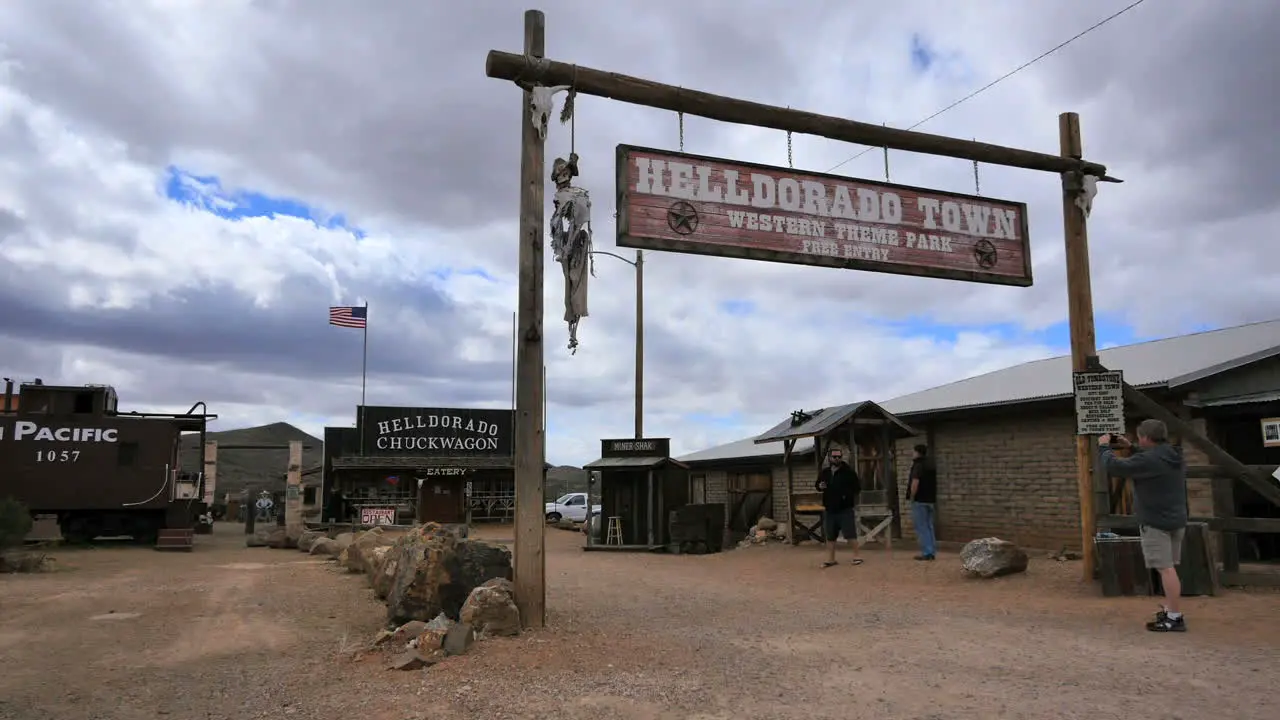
127 453
84 403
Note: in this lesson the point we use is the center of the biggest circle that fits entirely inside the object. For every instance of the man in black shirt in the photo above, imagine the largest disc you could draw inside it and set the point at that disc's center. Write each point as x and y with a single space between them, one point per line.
923 492
839 485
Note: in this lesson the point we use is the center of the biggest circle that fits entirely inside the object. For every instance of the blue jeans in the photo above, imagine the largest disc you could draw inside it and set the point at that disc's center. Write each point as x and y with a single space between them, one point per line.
922 515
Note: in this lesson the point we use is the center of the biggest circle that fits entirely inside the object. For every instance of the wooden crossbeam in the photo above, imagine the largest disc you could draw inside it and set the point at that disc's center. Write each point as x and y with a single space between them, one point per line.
638 91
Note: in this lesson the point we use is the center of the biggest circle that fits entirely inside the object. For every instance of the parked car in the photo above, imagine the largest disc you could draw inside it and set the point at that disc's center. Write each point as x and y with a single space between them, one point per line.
572 506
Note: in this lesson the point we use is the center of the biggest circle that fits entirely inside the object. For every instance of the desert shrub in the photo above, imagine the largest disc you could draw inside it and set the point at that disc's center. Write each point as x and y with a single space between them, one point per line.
15 523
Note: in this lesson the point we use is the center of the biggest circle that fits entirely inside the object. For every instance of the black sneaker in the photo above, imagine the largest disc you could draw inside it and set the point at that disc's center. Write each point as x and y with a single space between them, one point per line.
1164 623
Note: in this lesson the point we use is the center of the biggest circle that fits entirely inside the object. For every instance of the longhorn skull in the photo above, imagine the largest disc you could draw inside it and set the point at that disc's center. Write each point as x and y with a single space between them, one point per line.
541 100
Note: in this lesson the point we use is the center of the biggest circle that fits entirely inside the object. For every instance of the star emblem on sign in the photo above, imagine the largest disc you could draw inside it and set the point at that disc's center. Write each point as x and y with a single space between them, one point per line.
984 253
682 218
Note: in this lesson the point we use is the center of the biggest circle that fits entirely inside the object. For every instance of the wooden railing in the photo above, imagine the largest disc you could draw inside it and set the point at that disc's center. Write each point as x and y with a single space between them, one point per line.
1225 522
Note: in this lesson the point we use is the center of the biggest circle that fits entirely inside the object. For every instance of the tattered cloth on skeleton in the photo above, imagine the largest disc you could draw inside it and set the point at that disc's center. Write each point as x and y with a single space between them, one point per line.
571 247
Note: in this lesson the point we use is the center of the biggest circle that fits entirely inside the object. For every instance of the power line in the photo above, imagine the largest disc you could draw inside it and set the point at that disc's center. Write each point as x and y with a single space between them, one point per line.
1008 75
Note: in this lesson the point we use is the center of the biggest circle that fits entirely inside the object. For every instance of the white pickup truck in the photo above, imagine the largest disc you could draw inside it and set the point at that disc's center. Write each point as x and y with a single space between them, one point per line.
571 506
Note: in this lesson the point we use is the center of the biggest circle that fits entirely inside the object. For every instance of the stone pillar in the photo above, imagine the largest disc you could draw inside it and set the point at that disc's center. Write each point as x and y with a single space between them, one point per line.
293 494
210 471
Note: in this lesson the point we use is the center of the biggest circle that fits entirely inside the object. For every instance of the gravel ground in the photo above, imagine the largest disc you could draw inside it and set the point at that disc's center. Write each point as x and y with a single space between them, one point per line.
235 632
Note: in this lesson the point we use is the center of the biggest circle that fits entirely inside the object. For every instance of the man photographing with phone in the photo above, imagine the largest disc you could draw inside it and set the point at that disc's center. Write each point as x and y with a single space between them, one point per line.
839 485
1160 503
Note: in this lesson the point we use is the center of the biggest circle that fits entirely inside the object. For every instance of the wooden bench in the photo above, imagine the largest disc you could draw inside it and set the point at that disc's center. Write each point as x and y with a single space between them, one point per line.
874 517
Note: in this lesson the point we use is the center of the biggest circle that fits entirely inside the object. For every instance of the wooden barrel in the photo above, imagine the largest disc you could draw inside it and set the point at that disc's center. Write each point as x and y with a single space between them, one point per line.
1121 567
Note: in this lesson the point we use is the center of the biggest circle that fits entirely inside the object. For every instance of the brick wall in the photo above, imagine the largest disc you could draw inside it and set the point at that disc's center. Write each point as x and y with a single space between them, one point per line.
1011 476
1014 476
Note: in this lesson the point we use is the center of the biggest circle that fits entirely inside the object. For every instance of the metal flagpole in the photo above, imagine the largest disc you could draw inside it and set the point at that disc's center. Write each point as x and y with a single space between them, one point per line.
364 364
364 373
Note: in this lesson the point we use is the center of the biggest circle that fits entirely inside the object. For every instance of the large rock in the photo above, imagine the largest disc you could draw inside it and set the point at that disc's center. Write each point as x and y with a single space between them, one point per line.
278 538
357 557
436 570
308 538
491 609
993 557
326 547
384 576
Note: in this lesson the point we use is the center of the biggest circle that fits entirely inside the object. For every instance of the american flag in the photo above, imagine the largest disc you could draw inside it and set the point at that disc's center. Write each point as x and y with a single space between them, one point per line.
351 317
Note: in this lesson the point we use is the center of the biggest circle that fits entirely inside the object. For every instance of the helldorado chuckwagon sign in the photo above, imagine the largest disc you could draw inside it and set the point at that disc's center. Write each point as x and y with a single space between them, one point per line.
711 206
435 432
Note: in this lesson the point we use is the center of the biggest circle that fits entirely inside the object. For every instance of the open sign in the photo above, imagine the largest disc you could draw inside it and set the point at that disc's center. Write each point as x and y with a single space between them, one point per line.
378 516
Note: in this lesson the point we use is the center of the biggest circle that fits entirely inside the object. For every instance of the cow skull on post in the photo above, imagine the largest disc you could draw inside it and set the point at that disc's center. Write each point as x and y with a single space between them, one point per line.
541 100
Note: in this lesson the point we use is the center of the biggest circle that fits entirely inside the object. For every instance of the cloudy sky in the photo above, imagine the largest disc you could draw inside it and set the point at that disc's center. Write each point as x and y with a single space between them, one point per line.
187 185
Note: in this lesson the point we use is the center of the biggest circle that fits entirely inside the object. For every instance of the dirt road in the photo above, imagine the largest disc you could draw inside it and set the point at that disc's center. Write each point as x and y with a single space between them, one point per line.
234 632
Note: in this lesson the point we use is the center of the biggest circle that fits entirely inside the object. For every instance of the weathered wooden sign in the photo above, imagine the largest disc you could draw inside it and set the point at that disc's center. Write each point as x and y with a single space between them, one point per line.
711 206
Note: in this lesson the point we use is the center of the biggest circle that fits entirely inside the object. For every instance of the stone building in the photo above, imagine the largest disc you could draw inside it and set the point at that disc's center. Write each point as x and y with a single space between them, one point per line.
1005 441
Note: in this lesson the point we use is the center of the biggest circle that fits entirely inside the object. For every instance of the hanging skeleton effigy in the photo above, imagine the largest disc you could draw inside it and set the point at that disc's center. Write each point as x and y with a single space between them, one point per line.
571 220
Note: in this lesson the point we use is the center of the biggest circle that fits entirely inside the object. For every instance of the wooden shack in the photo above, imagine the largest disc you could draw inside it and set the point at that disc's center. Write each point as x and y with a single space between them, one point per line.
867 433
640 483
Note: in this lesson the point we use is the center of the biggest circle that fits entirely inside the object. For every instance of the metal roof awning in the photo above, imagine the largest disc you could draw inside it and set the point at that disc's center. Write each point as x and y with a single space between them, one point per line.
631 463
1262 397
396 462
824 420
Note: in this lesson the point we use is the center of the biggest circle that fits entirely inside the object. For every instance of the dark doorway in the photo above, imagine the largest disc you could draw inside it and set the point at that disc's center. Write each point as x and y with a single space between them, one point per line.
440 500
1241 436
750 498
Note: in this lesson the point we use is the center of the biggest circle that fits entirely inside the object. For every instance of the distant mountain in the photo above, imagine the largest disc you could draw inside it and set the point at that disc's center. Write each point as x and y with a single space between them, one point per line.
263 469
563 479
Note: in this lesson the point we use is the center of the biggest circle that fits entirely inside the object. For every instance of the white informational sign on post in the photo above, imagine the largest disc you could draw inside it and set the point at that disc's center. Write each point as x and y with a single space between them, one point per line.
1099 402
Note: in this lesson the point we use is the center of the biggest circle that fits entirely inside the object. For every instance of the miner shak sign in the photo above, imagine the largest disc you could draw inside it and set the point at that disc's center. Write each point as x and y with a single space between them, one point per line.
712 206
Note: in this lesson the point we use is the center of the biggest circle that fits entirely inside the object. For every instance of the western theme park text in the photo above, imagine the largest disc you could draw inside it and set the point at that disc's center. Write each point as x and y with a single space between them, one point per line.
686 203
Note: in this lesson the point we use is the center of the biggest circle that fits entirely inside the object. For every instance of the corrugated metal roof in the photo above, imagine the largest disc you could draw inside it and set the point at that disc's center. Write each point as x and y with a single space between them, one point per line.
745 449
1262 397
623 463
823 421
1171 361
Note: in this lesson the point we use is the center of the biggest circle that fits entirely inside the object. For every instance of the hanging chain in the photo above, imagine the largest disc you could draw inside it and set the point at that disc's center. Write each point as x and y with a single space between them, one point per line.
681 115
886 157
977 184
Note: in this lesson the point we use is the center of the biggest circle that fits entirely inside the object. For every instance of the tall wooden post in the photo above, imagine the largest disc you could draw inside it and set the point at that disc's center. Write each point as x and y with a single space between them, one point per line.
1080 316
293 525
530 561
639 344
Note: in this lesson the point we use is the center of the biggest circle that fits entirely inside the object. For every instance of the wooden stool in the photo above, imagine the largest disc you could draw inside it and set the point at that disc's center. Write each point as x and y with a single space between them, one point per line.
614 535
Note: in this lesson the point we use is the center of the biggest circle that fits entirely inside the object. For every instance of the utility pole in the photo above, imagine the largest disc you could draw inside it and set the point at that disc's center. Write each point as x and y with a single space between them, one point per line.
638 264
1080 319
530 450
639 344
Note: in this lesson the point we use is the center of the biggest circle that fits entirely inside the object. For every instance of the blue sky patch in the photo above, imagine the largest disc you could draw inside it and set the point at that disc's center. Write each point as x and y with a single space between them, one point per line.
444 273
1109 332
737 307
207 193
922 56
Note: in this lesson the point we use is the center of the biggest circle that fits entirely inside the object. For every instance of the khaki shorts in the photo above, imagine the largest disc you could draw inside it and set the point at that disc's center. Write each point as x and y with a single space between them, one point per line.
1161 548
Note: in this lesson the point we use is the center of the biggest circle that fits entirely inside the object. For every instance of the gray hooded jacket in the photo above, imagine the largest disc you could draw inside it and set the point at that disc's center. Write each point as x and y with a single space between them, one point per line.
1159 484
